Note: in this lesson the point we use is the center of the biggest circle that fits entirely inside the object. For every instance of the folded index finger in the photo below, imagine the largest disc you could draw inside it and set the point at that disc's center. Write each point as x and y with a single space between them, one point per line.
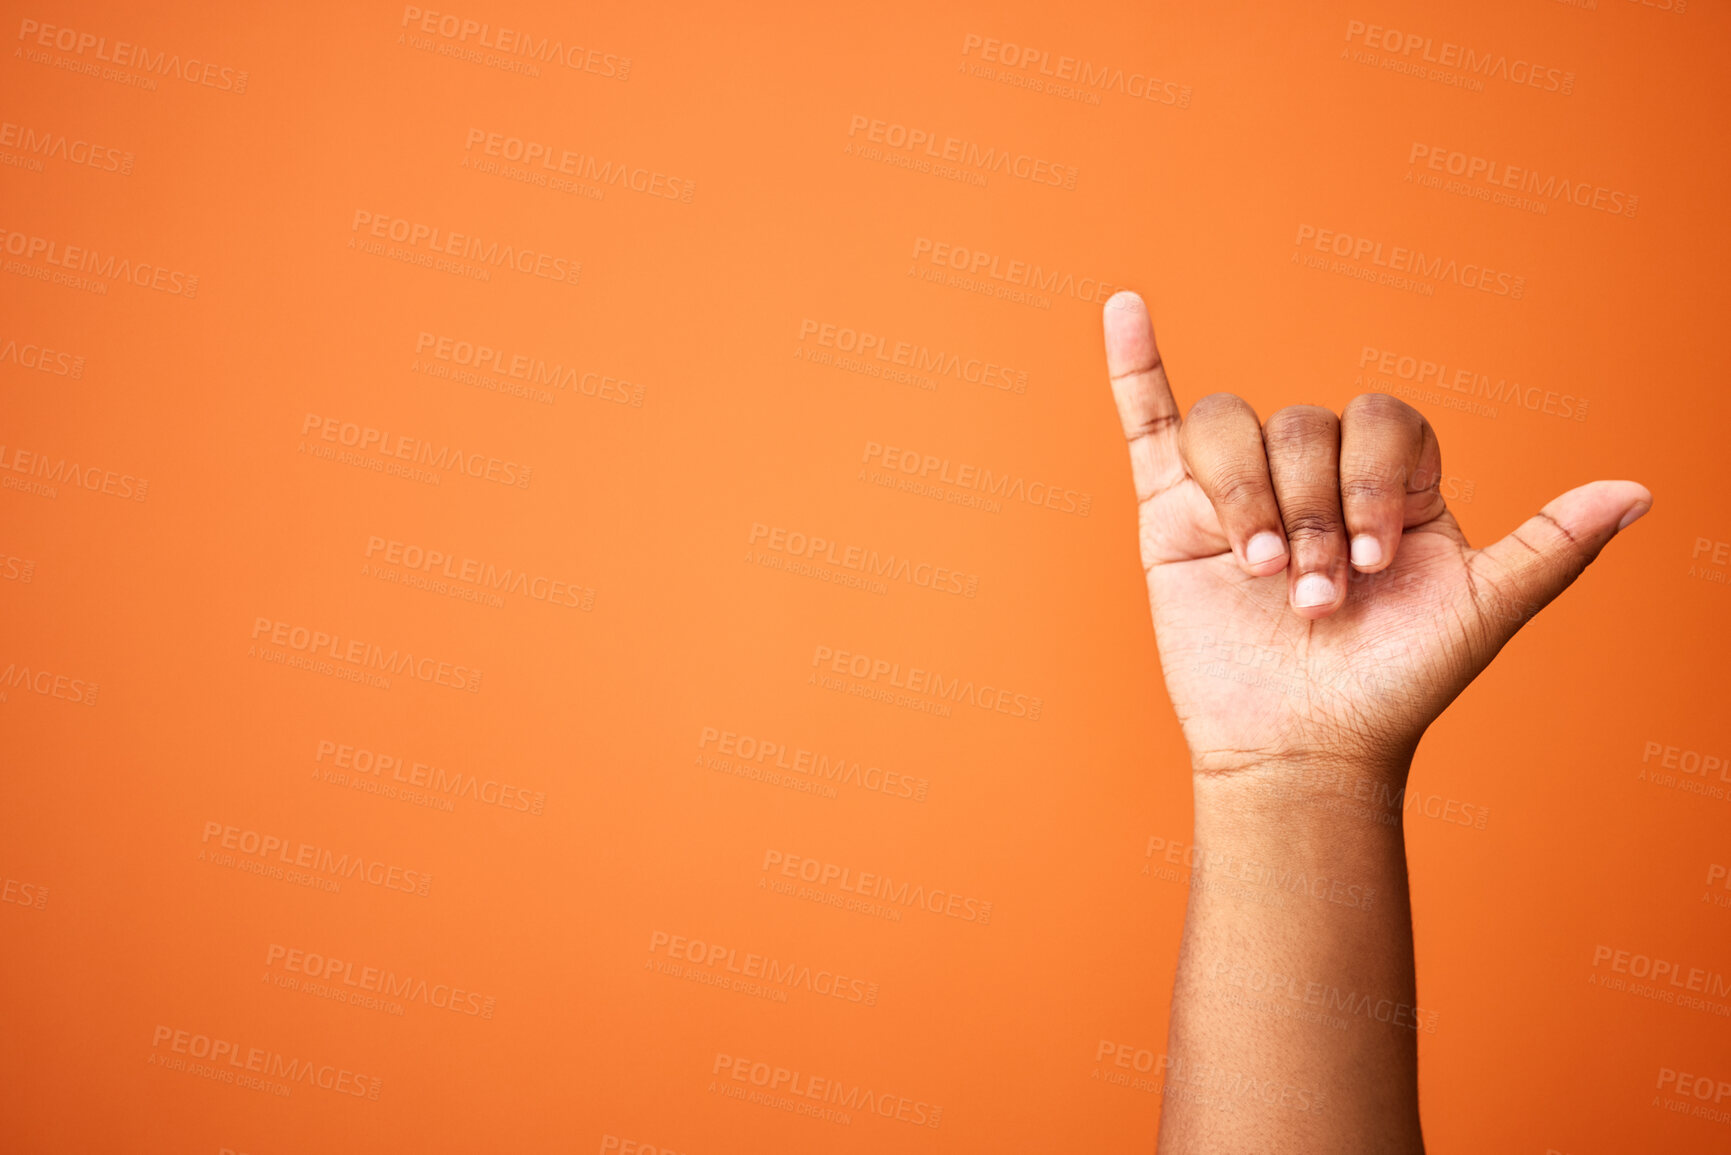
1144 397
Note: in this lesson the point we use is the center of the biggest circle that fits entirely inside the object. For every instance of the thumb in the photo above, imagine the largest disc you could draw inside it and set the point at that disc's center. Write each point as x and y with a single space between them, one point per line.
1518 576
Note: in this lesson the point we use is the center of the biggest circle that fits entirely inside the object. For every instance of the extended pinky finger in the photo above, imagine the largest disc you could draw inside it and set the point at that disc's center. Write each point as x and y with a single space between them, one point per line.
1221 441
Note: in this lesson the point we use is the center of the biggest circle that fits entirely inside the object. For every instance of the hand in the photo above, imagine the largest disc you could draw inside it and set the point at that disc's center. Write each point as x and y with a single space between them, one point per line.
1314 600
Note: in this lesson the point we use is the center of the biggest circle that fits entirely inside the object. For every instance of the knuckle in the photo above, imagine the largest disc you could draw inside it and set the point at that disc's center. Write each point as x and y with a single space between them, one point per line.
1218 405
1239 487
1311 524
1381 408
1300 424
1306 471
1158 423
1368 490
1373 485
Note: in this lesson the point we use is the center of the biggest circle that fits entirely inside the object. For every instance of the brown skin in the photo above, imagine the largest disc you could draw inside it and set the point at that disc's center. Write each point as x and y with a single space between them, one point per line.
1287 684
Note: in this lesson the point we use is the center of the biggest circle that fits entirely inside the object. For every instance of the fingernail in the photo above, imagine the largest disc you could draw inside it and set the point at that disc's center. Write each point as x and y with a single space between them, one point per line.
1263 547
1634 514
1312 590
1366 551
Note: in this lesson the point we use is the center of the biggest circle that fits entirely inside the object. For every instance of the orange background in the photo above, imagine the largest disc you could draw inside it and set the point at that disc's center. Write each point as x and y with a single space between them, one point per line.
124 917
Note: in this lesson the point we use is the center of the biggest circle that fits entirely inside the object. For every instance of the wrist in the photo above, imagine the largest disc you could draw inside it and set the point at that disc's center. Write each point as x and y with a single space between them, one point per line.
1291 788
1311 838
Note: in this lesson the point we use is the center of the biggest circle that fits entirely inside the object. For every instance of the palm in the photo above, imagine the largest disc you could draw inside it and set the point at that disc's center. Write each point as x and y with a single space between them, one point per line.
1250 678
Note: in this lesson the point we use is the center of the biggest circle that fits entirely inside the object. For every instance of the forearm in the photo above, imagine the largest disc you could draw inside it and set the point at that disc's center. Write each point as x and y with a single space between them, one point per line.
1293 1011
